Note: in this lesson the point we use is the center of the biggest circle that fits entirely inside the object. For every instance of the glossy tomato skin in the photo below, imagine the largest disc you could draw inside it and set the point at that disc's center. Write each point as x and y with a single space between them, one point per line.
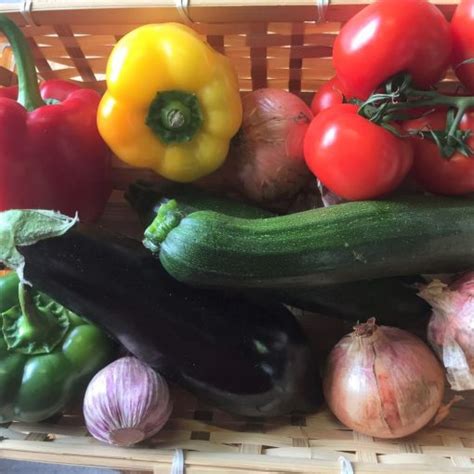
353 157
438 175
462 27
328 95
389 37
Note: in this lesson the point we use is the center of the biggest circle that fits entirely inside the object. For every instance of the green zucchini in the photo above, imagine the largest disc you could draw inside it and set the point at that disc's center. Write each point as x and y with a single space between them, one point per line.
393 300
348 242
146 198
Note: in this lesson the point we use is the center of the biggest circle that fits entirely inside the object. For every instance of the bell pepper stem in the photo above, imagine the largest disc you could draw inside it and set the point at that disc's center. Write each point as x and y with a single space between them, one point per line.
174 116
28 89
36 332
32 321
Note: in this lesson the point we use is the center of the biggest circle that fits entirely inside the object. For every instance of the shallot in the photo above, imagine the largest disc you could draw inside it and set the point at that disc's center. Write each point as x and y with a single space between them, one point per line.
126 402
451 327
383 381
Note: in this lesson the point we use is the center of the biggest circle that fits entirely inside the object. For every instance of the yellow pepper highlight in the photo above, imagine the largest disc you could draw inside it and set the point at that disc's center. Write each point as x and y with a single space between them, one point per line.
172 102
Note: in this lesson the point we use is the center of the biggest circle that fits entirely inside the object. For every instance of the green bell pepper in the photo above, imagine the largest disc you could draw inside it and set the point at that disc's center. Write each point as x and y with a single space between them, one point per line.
47 353
8 290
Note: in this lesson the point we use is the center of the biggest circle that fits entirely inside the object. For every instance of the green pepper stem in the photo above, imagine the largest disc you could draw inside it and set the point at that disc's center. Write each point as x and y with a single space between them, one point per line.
174 116
36 326
32 320
28 90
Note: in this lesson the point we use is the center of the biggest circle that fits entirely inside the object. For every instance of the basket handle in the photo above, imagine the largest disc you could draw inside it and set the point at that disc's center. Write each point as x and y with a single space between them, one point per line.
26 11
178 465
322 6
183 9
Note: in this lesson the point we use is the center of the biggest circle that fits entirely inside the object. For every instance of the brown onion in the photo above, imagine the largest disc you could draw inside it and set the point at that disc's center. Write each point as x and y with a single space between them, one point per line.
383 381
451 328
266 161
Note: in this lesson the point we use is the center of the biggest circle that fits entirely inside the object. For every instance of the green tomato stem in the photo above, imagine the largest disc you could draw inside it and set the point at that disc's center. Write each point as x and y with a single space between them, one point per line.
457 120
381 108
28 89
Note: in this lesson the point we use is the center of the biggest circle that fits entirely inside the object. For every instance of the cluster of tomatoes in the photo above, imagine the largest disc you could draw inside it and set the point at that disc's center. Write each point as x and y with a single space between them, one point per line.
359 158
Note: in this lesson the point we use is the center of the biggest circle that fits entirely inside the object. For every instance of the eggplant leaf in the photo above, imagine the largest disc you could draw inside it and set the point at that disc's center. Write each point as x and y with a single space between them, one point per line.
26 227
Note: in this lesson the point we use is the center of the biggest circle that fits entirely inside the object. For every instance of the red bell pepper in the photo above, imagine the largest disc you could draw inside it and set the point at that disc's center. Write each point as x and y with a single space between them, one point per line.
9 92
51 156
52 91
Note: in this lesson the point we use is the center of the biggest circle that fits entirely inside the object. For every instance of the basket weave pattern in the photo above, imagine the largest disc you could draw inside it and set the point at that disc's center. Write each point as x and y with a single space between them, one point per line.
217 442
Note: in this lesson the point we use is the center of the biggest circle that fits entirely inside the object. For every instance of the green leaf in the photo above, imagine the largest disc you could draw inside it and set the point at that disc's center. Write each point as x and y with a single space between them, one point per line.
26 227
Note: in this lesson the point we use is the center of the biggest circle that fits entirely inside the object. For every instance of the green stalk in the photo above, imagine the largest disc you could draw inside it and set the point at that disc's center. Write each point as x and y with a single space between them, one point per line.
168 216
462 105
174 116
31 324
28 90
34 327
382 108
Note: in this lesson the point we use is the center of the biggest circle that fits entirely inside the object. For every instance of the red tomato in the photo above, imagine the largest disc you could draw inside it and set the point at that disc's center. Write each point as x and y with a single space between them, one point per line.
353 157
462 27
328 95
389 37
452 176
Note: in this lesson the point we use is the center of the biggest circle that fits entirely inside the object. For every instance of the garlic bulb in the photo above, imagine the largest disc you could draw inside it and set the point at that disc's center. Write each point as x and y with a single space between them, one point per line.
126 402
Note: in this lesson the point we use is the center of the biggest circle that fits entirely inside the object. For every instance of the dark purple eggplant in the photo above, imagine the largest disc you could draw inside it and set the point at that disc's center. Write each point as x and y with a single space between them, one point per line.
247 357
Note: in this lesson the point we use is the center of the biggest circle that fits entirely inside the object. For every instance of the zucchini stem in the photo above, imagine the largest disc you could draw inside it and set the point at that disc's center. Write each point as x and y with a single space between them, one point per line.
168 217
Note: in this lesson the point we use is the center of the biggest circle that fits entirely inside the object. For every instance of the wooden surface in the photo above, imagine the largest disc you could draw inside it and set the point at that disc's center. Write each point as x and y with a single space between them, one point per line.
216 442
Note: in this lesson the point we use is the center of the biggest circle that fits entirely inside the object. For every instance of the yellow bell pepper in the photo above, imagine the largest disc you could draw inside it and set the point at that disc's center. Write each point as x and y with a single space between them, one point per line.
172 102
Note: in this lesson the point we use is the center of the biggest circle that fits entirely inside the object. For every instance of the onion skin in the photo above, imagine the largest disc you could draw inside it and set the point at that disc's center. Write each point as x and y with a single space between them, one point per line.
451 328
126 402
383 381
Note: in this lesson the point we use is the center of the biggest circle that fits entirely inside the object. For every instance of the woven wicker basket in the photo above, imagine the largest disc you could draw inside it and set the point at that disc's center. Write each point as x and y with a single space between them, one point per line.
275 43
